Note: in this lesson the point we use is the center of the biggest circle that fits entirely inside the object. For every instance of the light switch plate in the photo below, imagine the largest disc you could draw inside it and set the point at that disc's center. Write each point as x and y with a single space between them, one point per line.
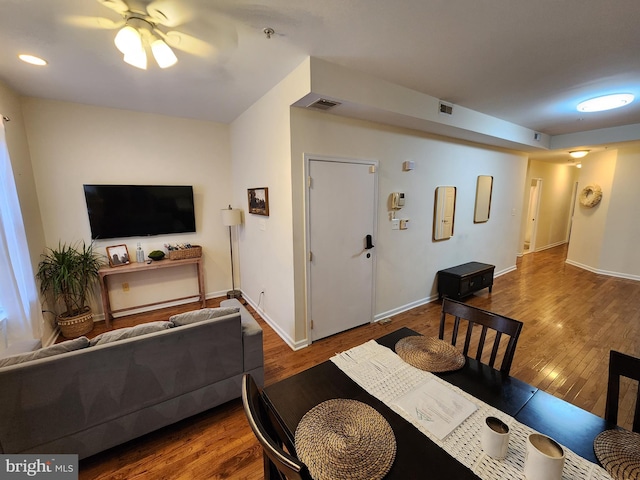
395 224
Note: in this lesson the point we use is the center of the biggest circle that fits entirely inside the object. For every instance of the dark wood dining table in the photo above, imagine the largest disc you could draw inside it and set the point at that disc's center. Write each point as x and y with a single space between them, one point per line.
417 456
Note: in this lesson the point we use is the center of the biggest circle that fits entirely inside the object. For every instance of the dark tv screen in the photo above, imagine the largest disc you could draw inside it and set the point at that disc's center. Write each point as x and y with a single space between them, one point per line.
139 210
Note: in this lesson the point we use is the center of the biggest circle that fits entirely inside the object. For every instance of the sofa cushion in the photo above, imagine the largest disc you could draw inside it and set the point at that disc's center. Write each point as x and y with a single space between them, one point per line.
251 340
201 315
130 332
63 347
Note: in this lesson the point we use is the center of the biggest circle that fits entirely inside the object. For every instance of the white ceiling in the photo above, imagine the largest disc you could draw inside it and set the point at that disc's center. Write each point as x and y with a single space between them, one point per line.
525 61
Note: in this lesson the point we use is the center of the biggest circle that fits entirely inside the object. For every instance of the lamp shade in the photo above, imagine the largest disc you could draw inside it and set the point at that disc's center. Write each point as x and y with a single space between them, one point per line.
163 54
128 40
137 59
231 217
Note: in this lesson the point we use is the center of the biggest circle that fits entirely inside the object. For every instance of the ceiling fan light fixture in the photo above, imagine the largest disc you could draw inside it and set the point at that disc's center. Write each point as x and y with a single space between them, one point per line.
128 40
163 54
137 59
579 153
606 102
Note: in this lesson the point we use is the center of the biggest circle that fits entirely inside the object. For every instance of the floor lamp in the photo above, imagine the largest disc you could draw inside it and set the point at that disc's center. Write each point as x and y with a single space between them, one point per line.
230 218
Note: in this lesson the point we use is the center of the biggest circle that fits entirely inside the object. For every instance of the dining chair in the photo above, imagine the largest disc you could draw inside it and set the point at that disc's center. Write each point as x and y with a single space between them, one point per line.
278 463
487 320
621 365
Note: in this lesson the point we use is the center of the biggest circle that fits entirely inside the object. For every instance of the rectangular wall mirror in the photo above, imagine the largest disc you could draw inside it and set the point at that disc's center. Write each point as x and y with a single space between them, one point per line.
483 198
444 213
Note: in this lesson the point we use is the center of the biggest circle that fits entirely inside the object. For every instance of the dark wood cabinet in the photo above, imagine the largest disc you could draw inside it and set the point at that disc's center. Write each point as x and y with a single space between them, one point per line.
462 280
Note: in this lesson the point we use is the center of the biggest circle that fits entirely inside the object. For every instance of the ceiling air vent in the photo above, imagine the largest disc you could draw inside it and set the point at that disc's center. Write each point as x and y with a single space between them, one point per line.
324 104
445 108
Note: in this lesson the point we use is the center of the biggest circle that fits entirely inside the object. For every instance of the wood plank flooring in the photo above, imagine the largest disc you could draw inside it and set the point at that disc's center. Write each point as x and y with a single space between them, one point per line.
572 318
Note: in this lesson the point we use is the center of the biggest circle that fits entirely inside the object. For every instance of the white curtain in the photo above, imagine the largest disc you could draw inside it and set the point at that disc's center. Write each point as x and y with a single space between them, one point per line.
19 301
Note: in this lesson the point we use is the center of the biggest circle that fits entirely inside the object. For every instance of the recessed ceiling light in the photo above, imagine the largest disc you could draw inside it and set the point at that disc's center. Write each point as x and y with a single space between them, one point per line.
32 60
579 153
606 102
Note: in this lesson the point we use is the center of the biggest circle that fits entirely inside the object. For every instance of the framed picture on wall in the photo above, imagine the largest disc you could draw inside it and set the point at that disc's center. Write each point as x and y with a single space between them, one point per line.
118 255
259 201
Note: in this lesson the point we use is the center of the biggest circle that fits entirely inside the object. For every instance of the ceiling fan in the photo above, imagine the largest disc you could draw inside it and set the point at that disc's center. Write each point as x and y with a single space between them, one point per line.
142 28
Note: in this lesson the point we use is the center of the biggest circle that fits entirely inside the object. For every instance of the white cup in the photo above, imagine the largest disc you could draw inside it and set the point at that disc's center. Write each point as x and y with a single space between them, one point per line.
544 459
495 437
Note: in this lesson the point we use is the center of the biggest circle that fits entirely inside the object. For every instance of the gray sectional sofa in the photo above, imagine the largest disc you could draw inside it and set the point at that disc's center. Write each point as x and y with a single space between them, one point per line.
101 395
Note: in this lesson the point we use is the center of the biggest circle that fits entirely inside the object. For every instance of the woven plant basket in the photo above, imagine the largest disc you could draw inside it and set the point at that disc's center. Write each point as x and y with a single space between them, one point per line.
194 252
73 327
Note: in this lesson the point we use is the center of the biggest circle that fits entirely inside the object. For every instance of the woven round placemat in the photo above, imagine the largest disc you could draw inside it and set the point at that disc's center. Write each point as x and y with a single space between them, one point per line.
619 453
345 439
430 354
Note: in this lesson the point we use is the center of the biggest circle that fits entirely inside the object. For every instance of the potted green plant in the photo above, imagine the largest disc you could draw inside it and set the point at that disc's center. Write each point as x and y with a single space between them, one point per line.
67 274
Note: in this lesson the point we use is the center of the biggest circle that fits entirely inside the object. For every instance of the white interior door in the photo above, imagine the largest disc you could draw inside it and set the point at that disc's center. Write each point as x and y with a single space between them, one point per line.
341 206
574 196
532 216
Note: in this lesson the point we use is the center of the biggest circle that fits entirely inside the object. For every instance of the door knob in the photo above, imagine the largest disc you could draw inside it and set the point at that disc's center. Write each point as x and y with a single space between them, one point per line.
369 243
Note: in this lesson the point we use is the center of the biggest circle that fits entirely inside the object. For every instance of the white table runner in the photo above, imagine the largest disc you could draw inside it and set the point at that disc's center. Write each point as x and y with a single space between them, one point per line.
383 374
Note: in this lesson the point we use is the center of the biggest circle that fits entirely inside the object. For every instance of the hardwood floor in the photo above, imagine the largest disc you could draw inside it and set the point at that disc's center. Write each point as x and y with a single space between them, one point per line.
572 318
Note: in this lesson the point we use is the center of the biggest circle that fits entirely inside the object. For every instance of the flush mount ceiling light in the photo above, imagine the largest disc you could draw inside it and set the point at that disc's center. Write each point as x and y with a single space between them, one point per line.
134 38
32 59
579 153
606 102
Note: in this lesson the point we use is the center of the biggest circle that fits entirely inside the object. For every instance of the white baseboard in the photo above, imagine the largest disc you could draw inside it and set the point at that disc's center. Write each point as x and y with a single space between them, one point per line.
546 247
263 315
98 317
506 270
404 308
603 272
552 245
380 316
424 301
281 333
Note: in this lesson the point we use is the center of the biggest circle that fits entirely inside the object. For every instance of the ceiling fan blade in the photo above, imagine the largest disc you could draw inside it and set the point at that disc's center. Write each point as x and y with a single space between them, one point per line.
168 13
115 5
189 44
98 23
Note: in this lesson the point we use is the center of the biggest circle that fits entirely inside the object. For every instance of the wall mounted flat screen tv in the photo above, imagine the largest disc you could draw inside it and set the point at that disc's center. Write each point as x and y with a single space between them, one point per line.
117 211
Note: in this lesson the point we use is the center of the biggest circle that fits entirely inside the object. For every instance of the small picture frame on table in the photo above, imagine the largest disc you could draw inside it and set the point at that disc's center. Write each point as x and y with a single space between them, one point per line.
259 201
118 255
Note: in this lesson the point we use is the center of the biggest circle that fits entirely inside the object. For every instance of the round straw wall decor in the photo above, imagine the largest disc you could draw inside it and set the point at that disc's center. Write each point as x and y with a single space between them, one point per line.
591 195
345 439
430 354
619 453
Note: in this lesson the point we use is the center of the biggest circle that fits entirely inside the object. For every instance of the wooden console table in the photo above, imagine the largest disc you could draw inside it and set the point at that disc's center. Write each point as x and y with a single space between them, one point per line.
462 280
106 272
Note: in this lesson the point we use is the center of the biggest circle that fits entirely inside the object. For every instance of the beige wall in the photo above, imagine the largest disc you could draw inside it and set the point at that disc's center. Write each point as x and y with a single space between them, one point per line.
62 145
619 254
408 261
589 224
73 144
555 202
261 145
18 147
